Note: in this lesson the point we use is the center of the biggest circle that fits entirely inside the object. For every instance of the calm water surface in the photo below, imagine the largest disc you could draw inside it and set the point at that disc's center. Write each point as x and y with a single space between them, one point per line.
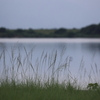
83 55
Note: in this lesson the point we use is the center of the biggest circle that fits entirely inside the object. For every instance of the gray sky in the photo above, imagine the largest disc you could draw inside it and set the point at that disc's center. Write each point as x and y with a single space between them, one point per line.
48 14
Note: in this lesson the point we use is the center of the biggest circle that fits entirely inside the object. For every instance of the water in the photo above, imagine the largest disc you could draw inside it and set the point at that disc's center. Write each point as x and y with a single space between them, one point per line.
81 55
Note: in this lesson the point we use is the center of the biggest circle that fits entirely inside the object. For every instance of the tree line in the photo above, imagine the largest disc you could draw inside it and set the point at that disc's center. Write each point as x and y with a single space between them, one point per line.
88 31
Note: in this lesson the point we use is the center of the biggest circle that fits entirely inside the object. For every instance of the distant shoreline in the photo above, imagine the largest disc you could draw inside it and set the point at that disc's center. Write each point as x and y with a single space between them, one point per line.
91 31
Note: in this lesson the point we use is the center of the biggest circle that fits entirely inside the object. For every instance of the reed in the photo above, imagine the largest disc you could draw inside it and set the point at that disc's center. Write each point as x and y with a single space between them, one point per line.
45 78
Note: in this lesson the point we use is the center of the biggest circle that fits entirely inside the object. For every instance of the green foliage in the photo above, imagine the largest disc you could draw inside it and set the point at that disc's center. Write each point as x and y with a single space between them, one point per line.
2 30
24 92
19 31
31 31
71 34
97 30
88 31
92 86
60 31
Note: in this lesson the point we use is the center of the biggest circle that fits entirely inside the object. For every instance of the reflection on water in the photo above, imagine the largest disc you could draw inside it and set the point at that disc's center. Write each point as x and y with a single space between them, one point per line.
78 54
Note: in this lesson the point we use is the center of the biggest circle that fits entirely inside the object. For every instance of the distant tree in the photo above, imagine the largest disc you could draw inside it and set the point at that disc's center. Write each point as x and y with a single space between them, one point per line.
19 30
61 31
2 30
31 31
89 29
71 34
10 34
97 30
19 33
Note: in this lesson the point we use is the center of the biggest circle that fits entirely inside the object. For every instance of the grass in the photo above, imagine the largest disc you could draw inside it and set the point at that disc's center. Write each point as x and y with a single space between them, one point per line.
51 92
24 80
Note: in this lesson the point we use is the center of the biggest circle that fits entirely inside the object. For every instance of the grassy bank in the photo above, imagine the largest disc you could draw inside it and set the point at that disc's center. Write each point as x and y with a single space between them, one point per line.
16 82
50 92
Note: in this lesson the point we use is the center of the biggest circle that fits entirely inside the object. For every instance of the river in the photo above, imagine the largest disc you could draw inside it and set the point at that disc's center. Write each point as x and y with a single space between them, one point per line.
25 56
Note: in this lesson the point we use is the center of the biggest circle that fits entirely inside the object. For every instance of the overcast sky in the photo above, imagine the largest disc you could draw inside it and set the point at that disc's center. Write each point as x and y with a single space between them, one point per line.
48 14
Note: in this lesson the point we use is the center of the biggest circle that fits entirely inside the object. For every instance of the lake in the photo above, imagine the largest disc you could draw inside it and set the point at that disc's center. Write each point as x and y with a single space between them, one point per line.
75 59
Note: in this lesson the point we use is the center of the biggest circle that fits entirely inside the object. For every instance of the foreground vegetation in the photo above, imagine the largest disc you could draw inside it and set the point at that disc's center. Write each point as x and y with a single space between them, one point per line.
20 79
50 92
88 31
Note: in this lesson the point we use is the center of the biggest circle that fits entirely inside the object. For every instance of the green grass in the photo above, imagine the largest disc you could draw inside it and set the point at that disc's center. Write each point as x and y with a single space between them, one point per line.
46 87
51 92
